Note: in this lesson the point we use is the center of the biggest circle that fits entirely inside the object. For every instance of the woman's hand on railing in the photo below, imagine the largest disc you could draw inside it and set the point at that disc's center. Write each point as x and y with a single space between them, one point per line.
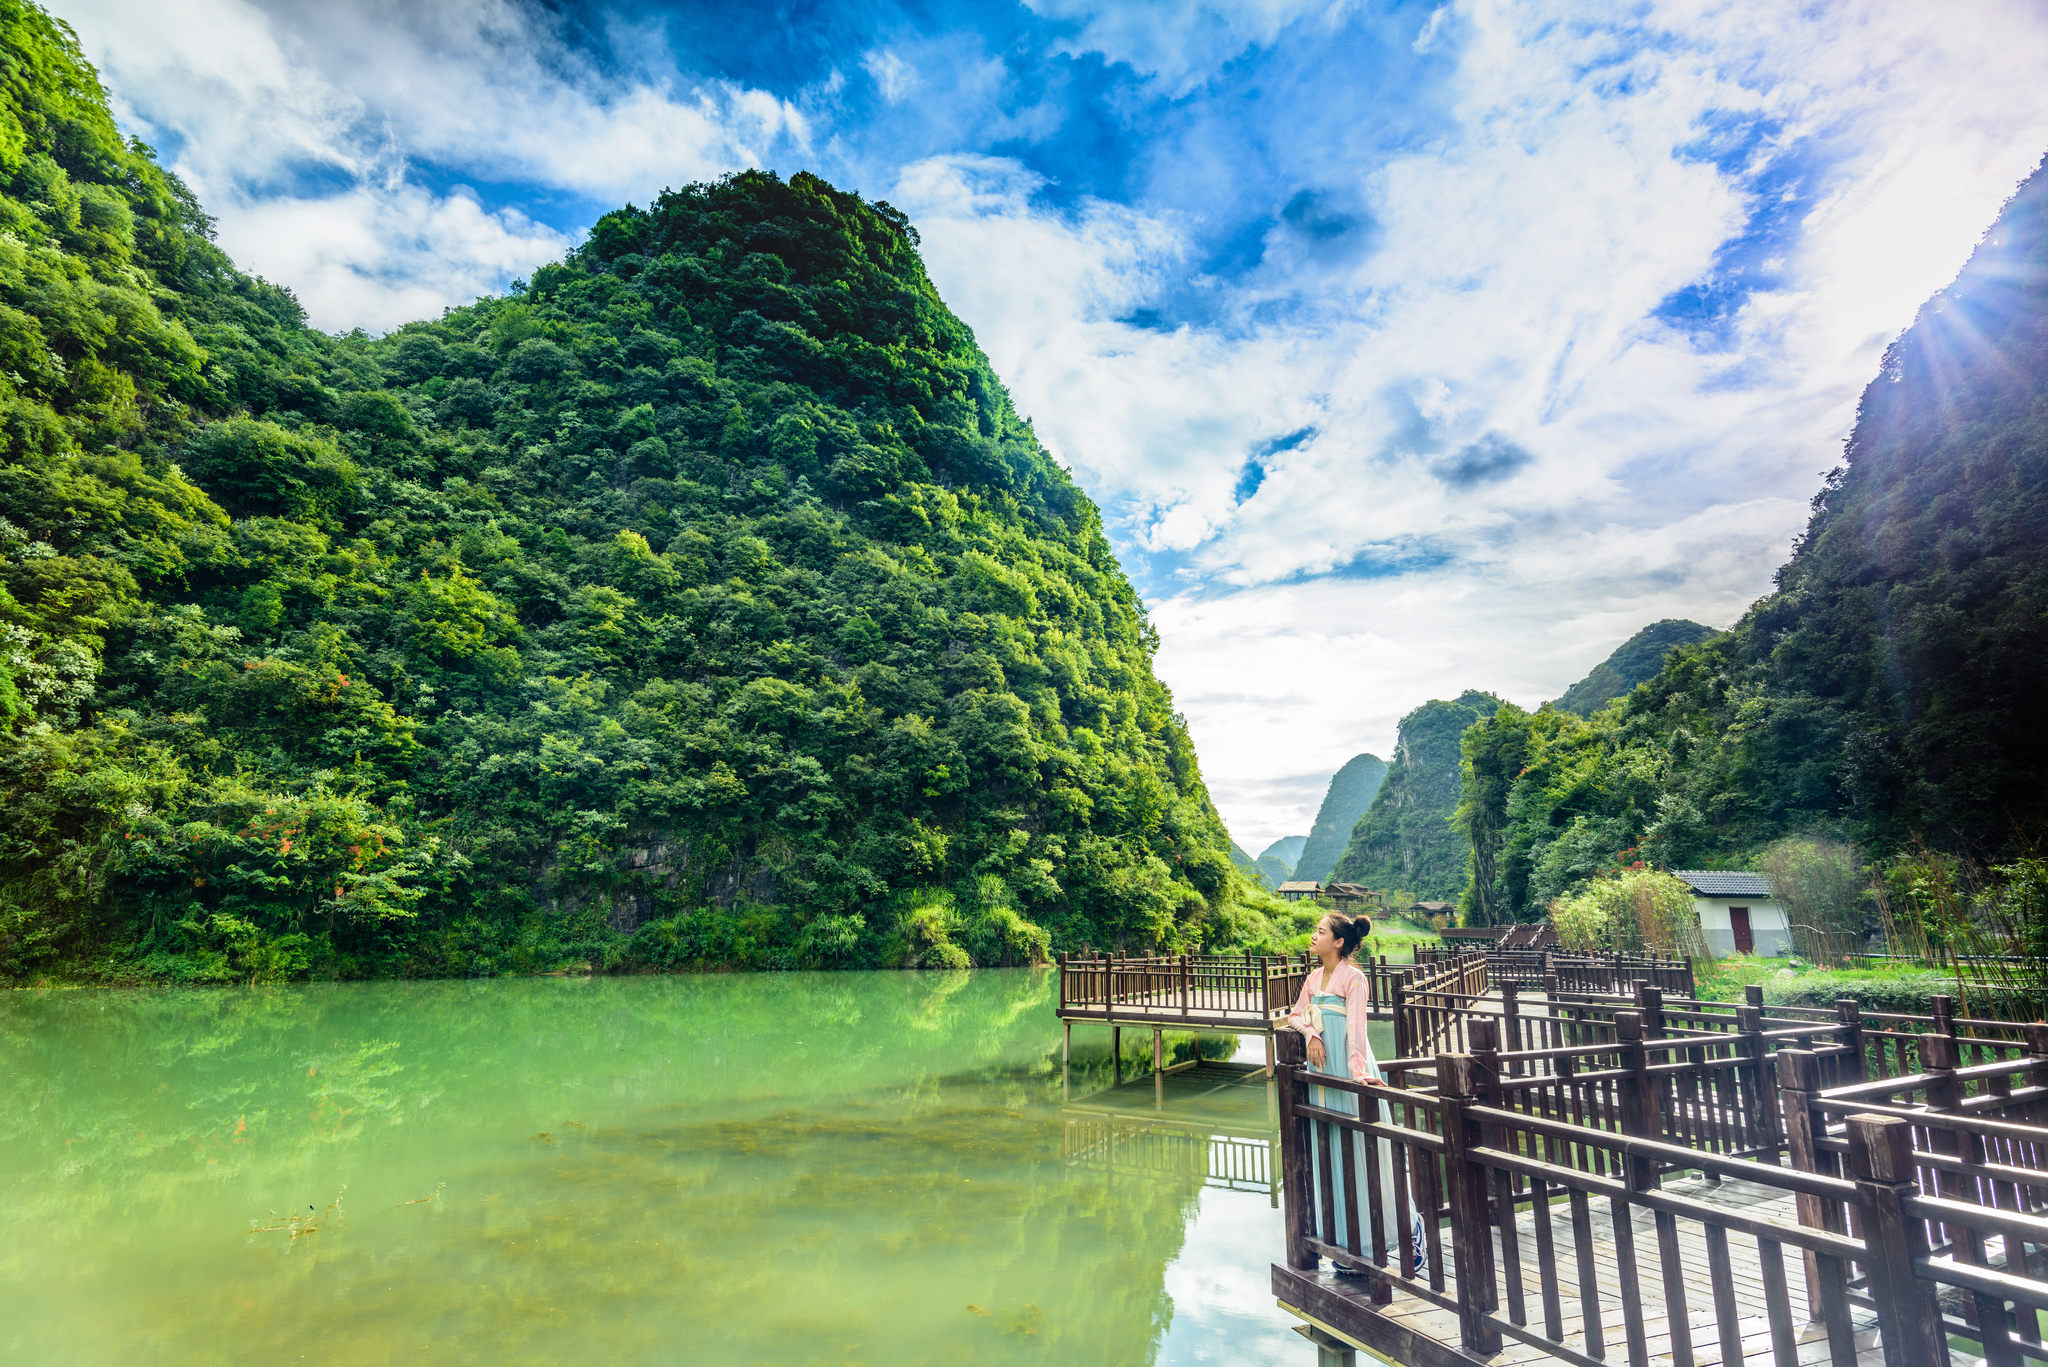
1316 1053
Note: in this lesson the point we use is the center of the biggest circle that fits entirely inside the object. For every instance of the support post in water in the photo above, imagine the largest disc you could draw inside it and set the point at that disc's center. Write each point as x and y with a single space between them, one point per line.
1909 1319
1158 1066
1066 1058
1294 1198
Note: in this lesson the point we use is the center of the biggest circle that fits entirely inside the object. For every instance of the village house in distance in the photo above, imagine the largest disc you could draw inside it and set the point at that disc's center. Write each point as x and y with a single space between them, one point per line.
1349 898
1738 914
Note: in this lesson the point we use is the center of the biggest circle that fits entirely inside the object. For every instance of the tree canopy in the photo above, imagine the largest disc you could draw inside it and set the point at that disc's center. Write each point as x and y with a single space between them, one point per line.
702 601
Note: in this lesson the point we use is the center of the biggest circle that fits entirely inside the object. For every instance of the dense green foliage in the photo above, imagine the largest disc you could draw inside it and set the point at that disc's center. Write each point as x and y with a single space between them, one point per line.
1635 910
1349 796
1634 661
1407 839
704 601
1889 691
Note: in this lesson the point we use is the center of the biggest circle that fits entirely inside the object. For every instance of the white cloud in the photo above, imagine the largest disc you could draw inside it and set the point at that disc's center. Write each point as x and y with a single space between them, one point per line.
379 257
1181 43
1519 263
313 118
892 75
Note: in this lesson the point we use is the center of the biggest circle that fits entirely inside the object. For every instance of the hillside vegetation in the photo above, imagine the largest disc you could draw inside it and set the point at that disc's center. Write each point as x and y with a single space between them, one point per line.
702 602
1634 661
1887 692
1351 791
1407 838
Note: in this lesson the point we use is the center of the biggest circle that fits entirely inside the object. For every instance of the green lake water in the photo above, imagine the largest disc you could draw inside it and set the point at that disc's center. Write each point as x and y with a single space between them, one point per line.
799 1168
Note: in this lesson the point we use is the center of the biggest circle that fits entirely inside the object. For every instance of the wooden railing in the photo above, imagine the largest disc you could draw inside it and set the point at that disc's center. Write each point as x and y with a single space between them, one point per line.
1918 1194
1617 973
1433 1004
1246 989
1182 985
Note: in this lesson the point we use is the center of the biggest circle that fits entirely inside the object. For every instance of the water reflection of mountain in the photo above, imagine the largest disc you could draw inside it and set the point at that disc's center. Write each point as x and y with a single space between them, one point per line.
847 1167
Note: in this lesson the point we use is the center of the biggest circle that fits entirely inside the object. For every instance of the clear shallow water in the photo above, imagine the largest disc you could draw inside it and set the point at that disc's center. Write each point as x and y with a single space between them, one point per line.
842 1168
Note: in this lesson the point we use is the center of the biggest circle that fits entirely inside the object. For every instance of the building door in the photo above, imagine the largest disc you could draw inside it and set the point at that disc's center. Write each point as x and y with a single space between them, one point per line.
1738 921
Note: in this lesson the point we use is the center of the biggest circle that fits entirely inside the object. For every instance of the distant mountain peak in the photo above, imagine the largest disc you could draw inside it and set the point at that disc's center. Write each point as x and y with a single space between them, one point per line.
1634 661
1351 791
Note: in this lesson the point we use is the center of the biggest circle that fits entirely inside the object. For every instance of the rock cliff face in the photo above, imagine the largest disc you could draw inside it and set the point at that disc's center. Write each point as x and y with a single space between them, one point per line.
1407 838
1351 791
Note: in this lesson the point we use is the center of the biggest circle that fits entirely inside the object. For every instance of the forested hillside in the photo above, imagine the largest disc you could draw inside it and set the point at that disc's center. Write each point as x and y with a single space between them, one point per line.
1351 791
1277 860
1635 660
1407 838
1888 691
702 602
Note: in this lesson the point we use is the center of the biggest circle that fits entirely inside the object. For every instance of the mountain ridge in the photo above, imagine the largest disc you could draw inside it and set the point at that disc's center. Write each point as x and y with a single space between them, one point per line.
1347 797
1634 661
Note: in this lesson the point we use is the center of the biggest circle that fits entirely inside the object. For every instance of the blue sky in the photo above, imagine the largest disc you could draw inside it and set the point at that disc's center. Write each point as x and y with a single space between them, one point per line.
1407 347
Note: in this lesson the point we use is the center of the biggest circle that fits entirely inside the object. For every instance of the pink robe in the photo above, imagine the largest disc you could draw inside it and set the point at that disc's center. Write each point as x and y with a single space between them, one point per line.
1349 983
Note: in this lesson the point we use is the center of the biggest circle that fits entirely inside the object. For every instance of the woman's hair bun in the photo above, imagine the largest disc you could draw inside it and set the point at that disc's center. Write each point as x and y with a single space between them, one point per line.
1349 931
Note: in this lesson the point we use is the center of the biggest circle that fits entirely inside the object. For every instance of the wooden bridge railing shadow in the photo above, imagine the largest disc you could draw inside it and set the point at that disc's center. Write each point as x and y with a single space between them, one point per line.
1687 1181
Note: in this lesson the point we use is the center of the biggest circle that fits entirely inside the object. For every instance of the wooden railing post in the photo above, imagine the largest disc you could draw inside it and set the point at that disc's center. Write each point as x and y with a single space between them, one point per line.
1639 1109
1798 1083
1850 1012
1297 1208
1553 1035
1753 995
1650 1001
1183 966
1763 1111
1471 1235
1939 1058
1908 1317
1400 996
1511 1020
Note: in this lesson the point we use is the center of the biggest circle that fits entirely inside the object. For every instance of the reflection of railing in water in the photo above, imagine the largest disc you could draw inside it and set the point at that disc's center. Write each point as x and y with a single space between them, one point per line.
1168 1149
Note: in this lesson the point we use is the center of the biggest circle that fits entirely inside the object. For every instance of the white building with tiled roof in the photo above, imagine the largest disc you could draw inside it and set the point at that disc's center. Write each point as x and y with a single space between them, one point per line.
1738 914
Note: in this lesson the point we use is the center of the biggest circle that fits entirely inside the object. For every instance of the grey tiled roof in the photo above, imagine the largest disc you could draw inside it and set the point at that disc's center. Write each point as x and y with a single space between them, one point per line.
1724 882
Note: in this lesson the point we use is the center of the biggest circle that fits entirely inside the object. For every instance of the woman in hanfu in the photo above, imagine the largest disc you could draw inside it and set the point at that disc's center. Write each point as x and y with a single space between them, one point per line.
1332 1011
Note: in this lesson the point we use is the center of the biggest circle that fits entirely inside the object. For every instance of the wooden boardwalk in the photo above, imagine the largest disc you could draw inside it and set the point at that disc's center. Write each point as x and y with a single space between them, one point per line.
1882 1191
1414 1331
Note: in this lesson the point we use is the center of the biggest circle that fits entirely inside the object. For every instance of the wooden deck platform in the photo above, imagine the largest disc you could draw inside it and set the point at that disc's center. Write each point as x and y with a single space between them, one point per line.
1416 1333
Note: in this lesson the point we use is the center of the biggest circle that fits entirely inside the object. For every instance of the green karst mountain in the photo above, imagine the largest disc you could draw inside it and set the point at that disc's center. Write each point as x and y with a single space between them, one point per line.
1276 862
1633 661
1890 688
703 601
1351 791
1406 839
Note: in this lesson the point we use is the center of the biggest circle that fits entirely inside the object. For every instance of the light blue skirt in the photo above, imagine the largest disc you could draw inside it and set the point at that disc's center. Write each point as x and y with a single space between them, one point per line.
1337 1063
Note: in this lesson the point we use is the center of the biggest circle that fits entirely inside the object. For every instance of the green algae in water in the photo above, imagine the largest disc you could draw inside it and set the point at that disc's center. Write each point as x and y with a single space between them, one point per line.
843 1168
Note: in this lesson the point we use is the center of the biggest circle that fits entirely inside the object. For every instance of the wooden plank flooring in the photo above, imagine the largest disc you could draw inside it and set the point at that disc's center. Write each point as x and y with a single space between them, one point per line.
1342 1305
